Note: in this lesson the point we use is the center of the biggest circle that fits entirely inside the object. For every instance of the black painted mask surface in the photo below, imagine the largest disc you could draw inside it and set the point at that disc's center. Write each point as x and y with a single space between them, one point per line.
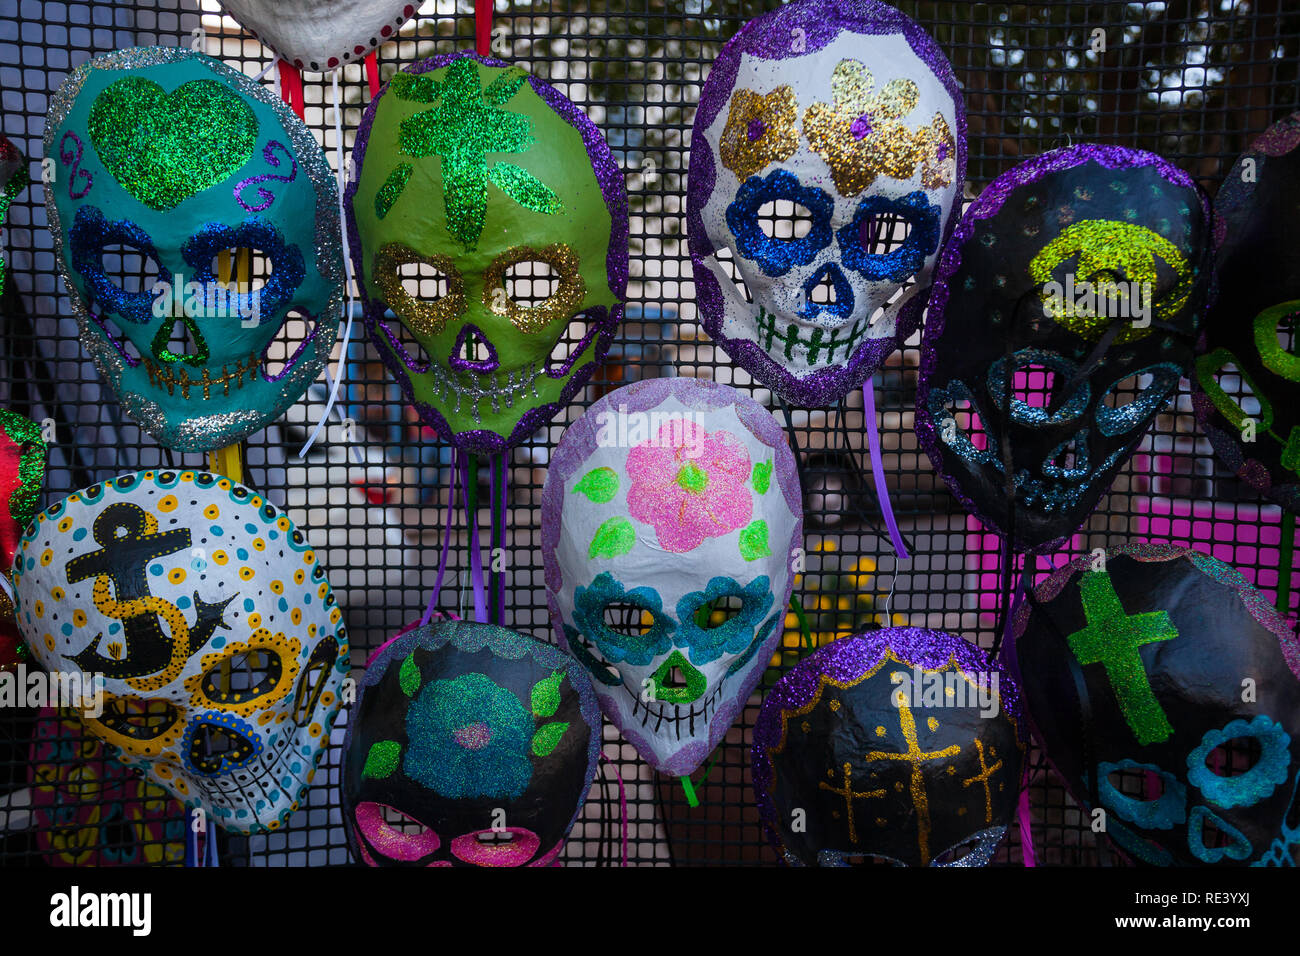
1140 670
1009 293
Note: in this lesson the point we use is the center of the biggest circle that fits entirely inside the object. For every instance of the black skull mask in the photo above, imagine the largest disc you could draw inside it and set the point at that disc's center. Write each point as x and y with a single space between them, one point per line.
1248 366
1061 320
1166 690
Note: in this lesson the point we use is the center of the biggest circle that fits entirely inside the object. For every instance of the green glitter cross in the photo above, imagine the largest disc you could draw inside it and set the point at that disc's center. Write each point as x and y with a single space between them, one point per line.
1112 639
462 130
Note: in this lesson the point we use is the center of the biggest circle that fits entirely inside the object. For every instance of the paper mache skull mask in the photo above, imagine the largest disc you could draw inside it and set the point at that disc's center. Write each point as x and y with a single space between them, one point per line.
670 517
208 616
1248 362
849 111
176 178
1090 371
22 475
319 35
1188 730
469 745
13 180
901 744
489 216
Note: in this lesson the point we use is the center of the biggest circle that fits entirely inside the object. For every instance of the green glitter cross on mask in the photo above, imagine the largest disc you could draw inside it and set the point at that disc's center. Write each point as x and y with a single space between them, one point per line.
462 130
1112 639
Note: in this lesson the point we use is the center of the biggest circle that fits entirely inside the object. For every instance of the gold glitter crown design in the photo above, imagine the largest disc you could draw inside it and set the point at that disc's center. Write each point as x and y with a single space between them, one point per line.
760 130
862 135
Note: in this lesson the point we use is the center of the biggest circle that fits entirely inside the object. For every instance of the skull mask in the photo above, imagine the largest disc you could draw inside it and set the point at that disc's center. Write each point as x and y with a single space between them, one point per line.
1249 363
850 113
13 180
489 215
901 744
170 159
209 617
1187 730
480 742
1021 361
22 473
669 517
321 35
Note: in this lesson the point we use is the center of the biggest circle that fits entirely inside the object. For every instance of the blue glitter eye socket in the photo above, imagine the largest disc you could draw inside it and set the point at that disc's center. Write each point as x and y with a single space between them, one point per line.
1116 420
91 234
898 264
286 263
1162 813
961 445
578 648
776 256
1269 772
734 635
1022 413
639 648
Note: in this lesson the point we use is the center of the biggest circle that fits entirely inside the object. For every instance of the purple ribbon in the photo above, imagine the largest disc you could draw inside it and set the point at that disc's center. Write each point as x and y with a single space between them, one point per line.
475 558
446 541
498 503
878 471
1027 855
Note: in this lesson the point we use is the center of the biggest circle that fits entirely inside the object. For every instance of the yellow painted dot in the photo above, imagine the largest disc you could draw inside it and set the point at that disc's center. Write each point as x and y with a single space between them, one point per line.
246 573
187 476
335 615
311 631
309 557
265 717
182 786
255 501
255 620
224 484
326 699
220 557
282 523
65 524
212 512
277 587
168 503
49 642
880 731
176 575
279 718
259 544
299 576
163 771
323 590
46 557
79 618
932 723
314 730
296 616
40 608
57 593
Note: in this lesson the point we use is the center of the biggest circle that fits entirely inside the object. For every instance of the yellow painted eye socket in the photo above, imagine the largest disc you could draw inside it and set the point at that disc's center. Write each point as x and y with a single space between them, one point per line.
245 677
424 291
534 288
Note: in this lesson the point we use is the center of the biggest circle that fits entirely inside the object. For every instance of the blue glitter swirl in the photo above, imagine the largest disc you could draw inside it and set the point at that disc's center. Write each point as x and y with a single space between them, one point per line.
733 636
908 259
1162 813
287 267
90 234
1125 418
438 759
1022 413
589 605
961 444
1270 771
776 256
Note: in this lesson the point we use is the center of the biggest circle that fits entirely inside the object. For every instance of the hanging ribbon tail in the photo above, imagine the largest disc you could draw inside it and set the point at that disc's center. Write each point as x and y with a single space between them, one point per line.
446 541
1028 856
334 384
689 789
211 837
500 469
878 471
291 86
267 69
1005 643
372 73
475 556
191 840
622 802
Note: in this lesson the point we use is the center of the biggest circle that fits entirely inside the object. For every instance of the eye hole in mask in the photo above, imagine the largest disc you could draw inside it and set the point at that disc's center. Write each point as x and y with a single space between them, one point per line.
1031 384
1128 402
311 684
1232 391
118 263
719 611
393 833
241 271
426 291
574 341
243 676
136 724
783 219
219 254
954 410
628 619
534 287
907 227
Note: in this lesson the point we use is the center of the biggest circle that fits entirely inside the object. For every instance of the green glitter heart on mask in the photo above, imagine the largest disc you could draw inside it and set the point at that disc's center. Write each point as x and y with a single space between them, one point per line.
166 147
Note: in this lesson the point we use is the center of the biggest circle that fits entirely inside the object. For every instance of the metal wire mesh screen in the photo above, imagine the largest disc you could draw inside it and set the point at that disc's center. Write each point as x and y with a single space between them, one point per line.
1192 79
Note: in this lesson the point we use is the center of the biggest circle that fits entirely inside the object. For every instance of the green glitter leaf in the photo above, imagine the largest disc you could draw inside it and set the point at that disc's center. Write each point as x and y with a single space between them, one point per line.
413 88
691 477
392 189
762 477
409 676
753 541
165 147
599 485
616 536
546 695
525 188
382 759
548 737
505 86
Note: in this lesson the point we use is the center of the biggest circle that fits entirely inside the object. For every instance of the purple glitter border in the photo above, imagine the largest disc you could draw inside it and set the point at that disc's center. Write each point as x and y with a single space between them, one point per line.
988 204
578 443
612 188
432 637
768 37
848 659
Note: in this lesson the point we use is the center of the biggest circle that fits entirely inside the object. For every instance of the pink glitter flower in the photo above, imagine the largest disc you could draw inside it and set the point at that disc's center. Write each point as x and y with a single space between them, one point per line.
689 484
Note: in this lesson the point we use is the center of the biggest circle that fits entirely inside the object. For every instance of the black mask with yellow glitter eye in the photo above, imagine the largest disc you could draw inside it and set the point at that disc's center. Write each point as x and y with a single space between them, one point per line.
901 745
1248 361
1062 318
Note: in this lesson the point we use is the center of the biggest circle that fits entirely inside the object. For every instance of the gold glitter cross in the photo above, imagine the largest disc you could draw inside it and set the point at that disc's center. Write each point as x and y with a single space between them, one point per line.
849 795
983 778
916 756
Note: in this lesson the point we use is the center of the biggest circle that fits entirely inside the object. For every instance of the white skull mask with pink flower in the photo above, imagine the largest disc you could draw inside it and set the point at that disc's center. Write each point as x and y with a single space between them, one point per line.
669 521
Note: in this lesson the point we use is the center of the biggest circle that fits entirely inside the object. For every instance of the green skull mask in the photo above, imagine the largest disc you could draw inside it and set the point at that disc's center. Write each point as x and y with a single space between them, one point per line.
488 215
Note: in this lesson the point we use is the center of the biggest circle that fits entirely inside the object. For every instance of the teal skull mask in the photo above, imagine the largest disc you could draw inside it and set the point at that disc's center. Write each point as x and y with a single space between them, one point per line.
196 225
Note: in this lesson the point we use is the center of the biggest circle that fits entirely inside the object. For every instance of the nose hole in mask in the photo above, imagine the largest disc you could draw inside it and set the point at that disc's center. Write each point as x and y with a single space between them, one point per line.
783 219
570 346
242 270
823 293
530 283
128 268
629 619
473 351
181 345
728 264
423 280
294 335
719 611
